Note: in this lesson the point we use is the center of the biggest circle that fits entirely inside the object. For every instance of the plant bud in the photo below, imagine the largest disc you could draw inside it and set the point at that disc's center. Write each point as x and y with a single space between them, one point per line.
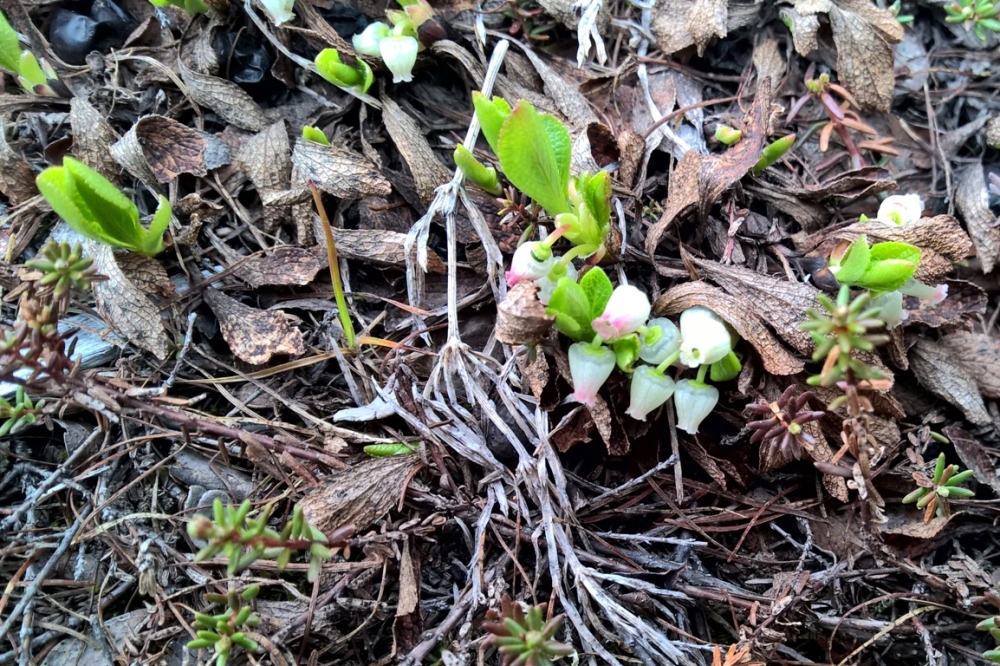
367 42
656 347
648 391
704 337
693 401
626 311
400 55
531 261
900 209
589 367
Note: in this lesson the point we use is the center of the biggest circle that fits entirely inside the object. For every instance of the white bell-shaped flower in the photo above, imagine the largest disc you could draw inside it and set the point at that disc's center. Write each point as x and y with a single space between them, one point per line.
399 53
933 295
367 41
704 337
891 309
693 401
547 283
526 264
665 343
589 367
901 209
279 10
626 311
649 389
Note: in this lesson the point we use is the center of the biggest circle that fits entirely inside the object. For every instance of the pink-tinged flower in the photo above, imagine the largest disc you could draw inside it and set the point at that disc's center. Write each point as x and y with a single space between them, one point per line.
901 209
655 347
693 401
626 311
704 337
526 264
589 367
649 389
933 295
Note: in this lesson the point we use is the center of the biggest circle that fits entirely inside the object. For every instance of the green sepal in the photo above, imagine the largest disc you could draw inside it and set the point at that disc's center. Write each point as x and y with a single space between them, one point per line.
626 351
477 172
725 369
314 134
534 151
491 115
571 308
597 287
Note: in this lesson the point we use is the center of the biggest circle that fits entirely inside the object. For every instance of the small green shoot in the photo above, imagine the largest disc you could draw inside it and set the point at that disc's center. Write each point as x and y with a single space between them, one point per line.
34 76
525 638
22 413
879 268
477 172
314 134
331 68
773 152
338 286
389 449
190 6
976 15
63 267
932 495
895 9
225 630
95 208
576 304
727 136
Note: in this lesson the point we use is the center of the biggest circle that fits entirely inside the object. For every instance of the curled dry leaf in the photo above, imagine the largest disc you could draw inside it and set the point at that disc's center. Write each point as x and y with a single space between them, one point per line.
92 137
381 248
361 494
227 99
282 266
972 201
678 24
864 35
427 170
17 178
252 334
776 358
979 354
569 101
146 273
780 303
338 171
266 160
699 180
521 316
172 148
974 456
941 374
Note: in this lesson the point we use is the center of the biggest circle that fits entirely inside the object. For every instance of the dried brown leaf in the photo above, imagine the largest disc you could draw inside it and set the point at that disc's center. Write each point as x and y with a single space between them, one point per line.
699 180
17 178
705 461
408 624
706 21
974 456
381 248
172 148
769 62
964 298
282 266
777 360
864 35
863 182
632 148
804 27
521 316
910 523
359 495
567 98
338 171
266 158
146 273
972 201
979 354
93 137
673 21
941 374
780 303
252 334
227 99
427 170
572 429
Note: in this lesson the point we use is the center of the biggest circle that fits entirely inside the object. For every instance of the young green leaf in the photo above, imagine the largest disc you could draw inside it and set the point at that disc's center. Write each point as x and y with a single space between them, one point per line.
571 308
890 266
626 351
331 68
534 151
854 262
477 172
491 114
29 72
10 47
598 288
314 134
153 238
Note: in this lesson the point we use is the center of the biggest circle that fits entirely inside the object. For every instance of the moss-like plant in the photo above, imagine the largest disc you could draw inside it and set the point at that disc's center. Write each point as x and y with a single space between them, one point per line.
95 208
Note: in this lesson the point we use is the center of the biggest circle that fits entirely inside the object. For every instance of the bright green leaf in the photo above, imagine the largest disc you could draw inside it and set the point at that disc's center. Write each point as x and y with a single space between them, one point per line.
491 114
598 289
854 262
477 172
29 70
10 47
890 266
571 308
534 151
626 351
314 134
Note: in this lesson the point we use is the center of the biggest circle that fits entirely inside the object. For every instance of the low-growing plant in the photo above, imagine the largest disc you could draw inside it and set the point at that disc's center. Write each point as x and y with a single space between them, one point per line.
410 31
975 15
333 69
32 74
780 432
933 494
243 540
95 208
22 413
525 638
226 630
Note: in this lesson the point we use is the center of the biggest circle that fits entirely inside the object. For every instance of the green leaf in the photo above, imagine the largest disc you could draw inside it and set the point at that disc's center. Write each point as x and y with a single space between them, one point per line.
491 114
598 289
626 351
107 206
571 308
854 262
314 134
534 151
153 237
725 369
890 266
10 47
54 185
331 68
483 176
596 194
29 70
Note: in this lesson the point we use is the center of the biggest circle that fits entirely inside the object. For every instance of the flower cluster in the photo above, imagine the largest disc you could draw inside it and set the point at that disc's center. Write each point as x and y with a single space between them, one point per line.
612 327
397 45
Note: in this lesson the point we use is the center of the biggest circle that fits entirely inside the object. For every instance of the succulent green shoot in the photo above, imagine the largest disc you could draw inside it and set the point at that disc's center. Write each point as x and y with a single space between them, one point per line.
932 494
314 134
773 152
190 6
727 135
331 68
95 208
